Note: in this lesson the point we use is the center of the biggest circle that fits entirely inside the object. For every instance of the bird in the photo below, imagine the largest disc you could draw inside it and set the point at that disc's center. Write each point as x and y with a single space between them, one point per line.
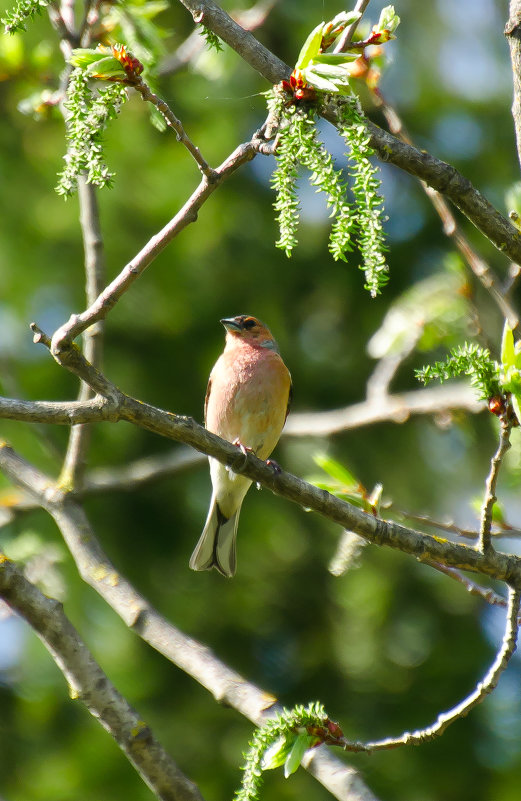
247 402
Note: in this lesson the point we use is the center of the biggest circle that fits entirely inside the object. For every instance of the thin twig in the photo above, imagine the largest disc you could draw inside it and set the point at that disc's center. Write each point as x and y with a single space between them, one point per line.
482 689
396 408
171 120
485 593
187 214
348 34
489 499
88 683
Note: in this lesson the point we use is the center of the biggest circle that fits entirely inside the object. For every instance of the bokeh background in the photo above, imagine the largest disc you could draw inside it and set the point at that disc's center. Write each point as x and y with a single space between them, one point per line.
384 647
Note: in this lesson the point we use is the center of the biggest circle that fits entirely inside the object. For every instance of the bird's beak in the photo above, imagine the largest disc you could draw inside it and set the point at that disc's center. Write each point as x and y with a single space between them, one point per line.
230 323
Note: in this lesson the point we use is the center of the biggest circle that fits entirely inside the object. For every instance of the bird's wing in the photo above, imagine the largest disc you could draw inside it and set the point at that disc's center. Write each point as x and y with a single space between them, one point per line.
207 397
290 399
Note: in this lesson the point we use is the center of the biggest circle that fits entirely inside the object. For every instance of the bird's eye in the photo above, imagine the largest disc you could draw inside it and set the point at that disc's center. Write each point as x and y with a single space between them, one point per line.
248 323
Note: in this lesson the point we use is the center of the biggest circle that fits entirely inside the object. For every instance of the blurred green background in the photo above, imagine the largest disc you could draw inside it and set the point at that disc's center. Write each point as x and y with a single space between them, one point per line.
391 643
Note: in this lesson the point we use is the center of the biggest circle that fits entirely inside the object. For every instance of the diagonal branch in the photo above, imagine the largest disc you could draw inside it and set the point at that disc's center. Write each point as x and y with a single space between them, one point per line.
87 682
505 567
195 659
436 173
480 268
107 299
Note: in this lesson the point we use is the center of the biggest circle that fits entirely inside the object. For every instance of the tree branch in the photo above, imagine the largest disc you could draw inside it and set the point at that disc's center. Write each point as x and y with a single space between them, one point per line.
480 268
489 500
483 688
195 659
395 408
107 299
436 173
87 682
513 34
184 429
75 461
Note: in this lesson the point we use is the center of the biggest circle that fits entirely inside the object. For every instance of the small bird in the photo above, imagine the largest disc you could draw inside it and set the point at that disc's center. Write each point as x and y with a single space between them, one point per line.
247 402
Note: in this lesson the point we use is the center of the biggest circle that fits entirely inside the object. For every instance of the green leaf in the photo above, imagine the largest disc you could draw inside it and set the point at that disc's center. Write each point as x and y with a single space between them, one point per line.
389 19
83 57
318 81
301 745
310 48
335 58
508 354
277 753
344 19
107 67
336 470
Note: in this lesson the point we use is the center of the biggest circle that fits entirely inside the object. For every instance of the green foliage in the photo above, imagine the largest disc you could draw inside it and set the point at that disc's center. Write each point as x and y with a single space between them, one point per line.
281 741
212 40
98 63
319 71
89 112
328 73
510 375
331 72
24 10
298 144
469 359
368 201
342 483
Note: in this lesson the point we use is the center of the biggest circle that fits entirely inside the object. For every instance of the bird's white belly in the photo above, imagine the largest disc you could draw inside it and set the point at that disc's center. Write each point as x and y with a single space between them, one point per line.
229 487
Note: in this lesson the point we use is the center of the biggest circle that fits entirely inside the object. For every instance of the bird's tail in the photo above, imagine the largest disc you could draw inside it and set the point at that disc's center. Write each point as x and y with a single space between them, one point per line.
216 546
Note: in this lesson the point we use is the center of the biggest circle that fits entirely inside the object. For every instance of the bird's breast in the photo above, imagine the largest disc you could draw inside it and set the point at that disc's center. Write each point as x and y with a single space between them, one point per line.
248 398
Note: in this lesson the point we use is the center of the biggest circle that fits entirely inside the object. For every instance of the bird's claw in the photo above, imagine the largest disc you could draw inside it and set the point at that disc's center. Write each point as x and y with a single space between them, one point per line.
243 448
274 465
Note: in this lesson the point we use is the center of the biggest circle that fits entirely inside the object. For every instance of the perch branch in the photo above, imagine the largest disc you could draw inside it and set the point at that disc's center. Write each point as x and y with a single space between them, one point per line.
184 429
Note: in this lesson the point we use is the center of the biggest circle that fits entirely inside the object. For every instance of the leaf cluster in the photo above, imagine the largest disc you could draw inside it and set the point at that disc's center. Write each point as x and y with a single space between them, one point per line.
362 220
88 113
212 40
281 741
23 11
469 359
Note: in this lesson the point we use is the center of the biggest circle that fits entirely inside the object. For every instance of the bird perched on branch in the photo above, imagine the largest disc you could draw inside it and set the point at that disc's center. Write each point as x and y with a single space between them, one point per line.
247 402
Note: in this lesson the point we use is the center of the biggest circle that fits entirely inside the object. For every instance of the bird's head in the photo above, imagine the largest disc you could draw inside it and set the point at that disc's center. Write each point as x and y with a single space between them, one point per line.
245 328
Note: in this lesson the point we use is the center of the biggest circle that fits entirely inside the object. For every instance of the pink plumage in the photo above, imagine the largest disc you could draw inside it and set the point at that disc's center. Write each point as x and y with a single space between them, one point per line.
247 402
